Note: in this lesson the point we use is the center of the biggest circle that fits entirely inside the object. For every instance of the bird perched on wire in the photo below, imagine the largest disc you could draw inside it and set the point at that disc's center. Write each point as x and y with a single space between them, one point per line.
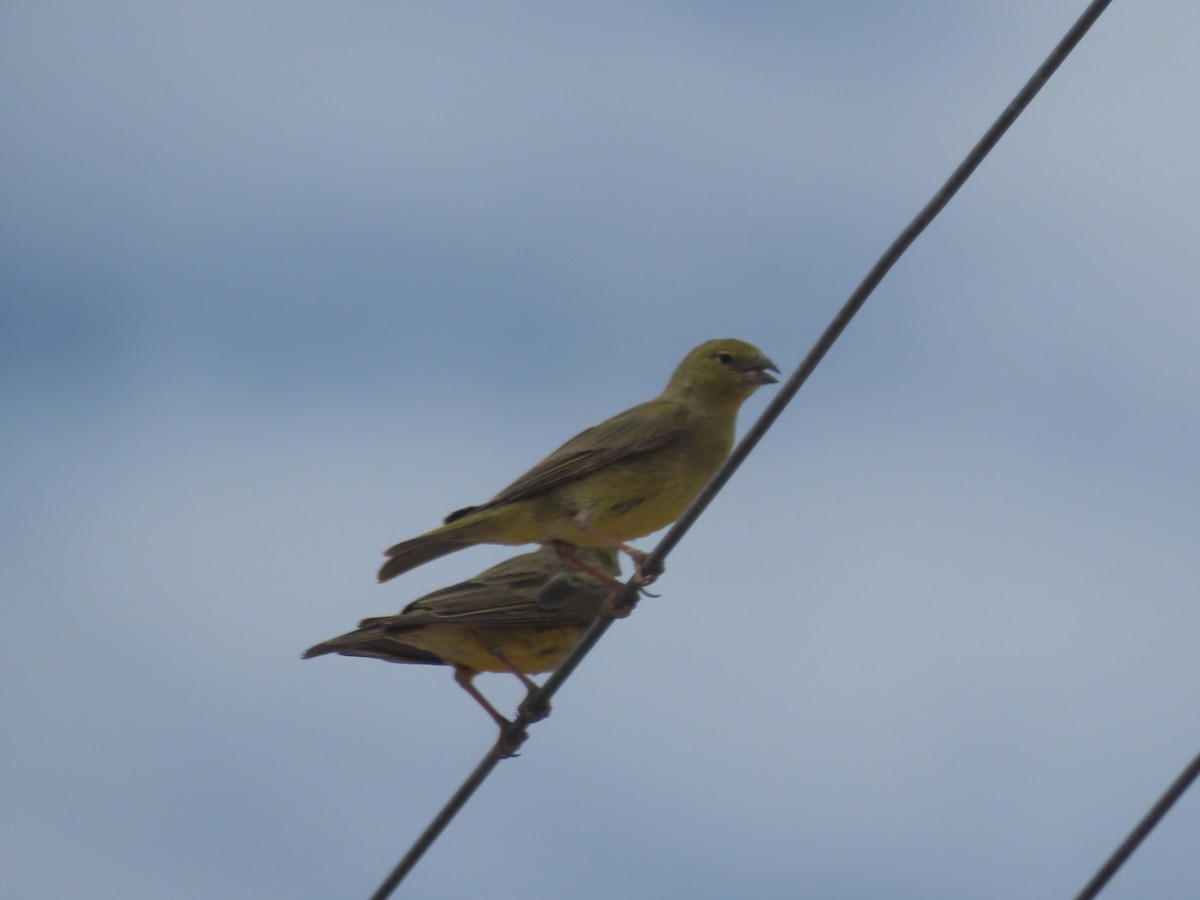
521 616
624 478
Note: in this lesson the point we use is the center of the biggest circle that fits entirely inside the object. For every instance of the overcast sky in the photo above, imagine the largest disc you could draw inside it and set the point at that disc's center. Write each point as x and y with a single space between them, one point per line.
284 283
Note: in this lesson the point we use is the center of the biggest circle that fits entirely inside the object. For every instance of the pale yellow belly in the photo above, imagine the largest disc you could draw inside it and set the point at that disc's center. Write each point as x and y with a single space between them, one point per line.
629 500
624 500
531 649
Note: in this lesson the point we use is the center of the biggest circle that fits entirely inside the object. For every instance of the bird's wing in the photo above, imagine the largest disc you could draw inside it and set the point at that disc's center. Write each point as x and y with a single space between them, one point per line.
643 428
507 594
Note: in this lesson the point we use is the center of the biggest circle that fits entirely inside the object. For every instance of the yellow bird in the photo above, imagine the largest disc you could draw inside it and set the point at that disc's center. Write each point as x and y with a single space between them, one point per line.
624 478
521 616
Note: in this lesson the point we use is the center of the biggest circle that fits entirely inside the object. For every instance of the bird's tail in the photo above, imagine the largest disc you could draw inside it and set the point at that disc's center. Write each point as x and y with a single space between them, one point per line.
373 643
421 549
319 650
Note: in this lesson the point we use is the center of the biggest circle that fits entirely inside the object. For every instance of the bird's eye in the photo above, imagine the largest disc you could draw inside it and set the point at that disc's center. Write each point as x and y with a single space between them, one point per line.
724 358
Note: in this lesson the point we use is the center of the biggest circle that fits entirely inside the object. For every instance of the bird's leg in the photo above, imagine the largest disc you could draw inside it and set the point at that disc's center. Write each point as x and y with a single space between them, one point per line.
466 680
507 744
610 608
642 574
564 553
527 712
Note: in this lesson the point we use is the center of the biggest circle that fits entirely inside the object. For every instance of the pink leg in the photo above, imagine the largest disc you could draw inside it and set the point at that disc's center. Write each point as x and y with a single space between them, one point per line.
640 574
506 746
526 712
572 560
466 680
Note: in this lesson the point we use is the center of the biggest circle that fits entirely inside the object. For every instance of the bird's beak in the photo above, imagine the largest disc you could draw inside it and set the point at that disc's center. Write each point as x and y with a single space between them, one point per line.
757 371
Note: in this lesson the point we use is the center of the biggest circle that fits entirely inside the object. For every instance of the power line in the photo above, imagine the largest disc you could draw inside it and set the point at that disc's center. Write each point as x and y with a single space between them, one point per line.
516 734
1140 831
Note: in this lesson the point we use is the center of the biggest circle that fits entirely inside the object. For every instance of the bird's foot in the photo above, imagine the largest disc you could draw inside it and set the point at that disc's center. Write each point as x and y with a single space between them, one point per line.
512 736
645 572
532 710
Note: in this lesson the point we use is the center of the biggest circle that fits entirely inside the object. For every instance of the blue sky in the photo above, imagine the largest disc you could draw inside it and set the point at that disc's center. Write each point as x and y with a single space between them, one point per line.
283 284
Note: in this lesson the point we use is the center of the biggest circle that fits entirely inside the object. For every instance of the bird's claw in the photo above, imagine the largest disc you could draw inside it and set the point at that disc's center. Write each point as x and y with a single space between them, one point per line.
645 574
529 712
510 740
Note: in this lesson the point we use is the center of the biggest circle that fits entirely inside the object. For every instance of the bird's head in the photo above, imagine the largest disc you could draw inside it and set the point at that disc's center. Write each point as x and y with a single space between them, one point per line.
724 371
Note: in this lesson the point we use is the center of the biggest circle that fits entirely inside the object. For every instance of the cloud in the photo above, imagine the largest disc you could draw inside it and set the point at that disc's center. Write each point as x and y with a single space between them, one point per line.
285 286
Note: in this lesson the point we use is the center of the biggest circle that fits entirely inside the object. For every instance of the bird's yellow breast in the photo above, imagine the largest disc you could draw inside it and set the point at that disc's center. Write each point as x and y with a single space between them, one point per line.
531 648
640 495
625 499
